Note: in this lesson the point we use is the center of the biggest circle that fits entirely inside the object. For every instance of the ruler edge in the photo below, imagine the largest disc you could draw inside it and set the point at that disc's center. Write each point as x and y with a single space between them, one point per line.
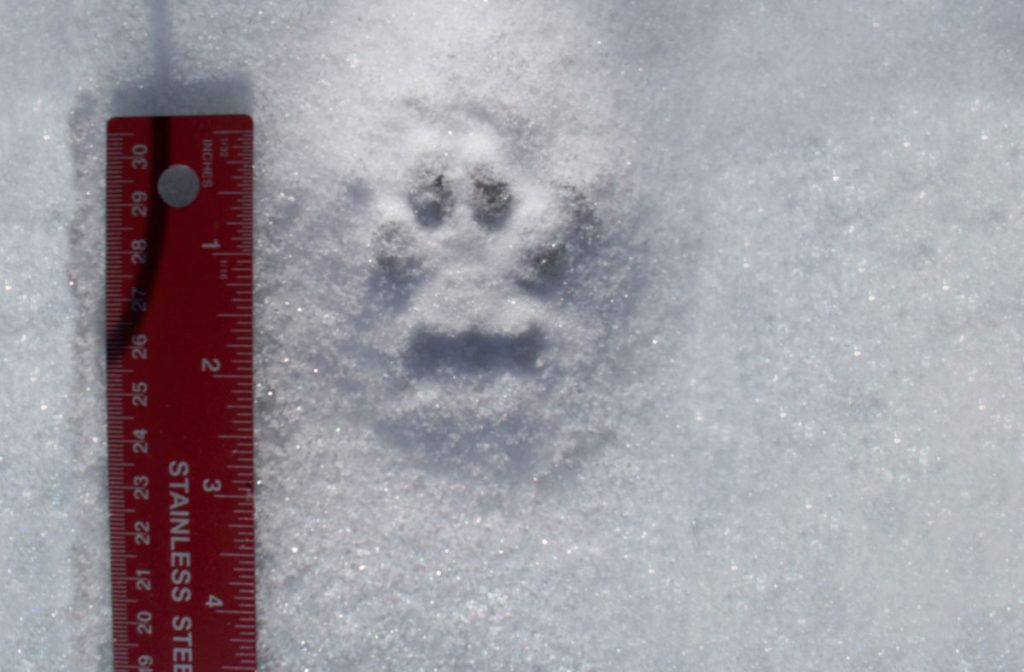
114 122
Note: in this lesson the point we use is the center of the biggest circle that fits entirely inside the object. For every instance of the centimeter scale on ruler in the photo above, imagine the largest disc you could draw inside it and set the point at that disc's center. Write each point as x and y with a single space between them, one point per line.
180 393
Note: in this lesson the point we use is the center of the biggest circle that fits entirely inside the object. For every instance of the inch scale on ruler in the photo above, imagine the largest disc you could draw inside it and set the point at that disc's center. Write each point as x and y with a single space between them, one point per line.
180 395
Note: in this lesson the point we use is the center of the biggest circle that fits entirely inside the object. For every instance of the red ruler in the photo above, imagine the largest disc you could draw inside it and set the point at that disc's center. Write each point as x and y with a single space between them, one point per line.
180 393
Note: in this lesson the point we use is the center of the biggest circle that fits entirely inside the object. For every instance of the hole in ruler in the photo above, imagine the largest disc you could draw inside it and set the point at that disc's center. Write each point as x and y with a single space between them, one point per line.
178 186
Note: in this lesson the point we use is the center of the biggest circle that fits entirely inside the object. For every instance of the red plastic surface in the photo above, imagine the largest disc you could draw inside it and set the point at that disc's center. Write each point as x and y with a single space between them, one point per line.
180 397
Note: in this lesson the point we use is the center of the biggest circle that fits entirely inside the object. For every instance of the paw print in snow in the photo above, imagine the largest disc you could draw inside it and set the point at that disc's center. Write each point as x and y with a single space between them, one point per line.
478 293
496 289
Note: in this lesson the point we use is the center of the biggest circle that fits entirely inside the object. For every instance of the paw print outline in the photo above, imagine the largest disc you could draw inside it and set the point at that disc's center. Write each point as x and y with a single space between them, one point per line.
481 309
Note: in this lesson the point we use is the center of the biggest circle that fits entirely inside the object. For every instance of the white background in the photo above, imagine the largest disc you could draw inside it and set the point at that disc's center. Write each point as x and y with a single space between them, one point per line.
809 399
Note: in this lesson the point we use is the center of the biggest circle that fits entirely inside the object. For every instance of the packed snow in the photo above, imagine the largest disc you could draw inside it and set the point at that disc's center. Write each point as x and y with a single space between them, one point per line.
592 335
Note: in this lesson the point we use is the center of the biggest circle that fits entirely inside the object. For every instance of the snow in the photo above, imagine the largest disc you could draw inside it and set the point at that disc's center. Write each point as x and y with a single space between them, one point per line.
727 375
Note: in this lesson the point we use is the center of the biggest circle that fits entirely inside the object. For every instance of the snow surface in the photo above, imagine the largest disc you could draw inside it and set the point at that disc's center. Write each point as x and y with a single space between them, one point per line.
733 380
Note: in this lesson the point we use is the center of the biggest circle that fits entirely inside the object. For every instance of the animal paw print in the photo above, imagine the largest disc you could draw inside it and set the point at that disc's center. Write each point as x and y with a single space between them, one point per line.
478 267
